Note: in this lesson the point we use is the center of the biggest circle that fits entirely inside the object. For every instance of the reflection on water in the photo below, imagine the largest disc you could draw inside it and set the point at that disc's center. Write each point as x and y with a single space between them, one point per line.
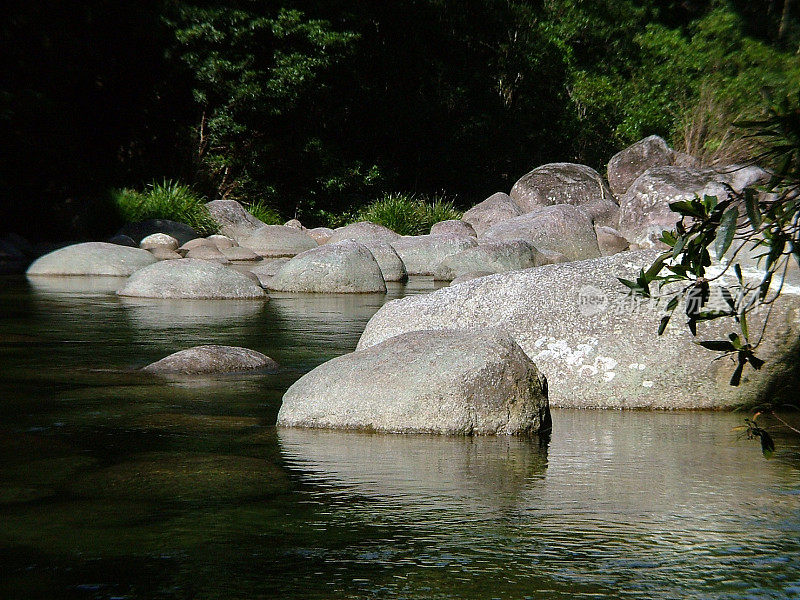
114 484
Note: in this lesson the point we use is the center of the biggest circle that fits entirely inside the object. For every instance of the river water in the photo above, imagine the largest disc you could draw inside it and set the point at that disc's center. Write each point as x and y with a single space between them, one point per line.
118 485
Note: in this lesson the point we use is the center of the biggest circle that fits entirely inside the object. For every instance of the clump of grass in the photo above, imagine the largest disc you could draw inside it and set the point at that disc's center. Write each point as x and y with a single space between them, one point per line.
165 200
264 213
409 214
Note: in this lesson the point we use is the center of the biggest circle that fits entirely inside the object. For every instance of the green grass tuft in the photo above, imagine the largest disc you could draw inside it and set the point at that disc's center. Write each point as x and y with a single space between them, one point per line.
264 212
165 200
409 214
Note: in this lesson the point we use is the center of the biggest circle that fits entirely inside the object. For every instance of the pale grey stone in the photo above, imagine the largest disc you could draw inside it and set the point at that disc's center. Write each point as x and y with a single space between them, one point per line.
363 231
610 240
321 235
208 252
446 382
597 347
389 261
626 166
488 257
239 253
211 359
222 241
92 258
345 267
495 209
560 228
191 278
275 241
234 220
453 227
267 270
567 183
421 253
165 254
159 240
137 231
470 276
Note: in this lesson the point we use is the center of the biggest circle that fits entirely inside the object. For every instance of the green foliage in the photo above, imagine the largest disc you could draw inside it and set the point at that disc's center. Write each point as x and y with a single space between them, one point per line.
165 200
771 230
408 214
264 212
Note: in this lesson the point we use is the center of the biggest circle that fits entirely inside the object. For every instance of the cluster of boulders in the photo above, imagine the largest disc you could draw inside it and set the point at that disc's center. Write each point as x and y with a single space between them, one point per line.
534 283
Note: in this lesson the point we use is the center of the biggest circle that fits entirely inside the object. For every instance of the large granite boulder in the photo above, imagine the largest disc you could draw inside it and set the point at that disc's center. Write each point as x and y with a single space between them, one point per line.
275 241
234 220
610 240
626 165
140 230
321 235
345 267
211 359
363 231
561 228
266 270
191 278
421 253
488 257
644 209
448 382
597 346
388 260
567 183
742 176
496 208
92 258
453 227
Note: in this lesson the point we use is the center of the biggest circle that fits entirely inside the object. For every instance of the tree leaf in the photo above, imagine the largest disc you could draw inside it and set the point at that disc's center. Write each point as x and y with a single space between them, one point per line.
718 345
725 232
751 205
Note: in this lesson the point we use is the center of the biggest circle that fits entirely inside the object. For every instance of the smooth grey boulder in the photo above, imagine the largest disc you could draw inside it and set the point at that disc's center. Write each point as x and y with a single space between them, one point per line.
392 266
239 253
222 241
345 267
165 253
488 257
159 240
137 231
363 231
191 278
92 258
267 270
211 359
561 228
470 276
421 253
209 252
549 257
234 220
626 165
610 240
294 223
453 227
597 346
275 241
567 183
198 243
445 382
321 235
644 209
742 176
495 209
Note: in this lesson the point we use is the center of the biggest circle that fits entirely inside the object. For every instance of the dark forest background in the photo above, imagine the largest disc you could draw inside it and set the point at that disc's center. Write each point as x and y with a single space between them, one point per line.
318 107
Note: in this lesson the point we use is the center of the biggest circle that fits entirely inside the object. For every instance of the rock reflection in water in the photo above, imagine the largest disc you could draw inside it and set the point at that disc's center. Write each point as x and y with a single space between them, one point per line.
80 285
476 476
175 314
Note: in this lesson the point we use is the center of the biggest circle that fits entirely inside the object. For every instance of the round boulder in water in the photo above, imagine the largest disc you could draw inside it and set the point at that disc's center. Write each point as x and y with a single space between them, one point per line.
274 241
92 258
212 359
345 267
191 278
447 382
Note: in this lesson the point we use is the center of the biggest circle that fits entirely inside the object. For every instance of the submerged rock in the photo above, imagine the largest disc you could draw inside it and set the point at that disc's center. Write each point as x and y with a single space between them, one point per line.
191 278
446 382
92 258
345 267
596 345
211 359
